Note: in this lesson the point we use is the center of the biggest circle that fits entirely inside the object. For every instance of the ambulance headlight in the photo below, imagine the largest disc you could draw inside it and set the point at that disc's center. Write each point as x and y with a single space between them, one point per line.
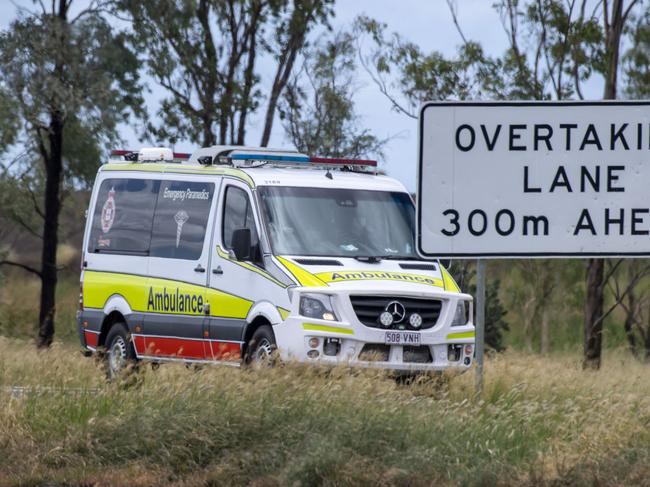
317 306
460 315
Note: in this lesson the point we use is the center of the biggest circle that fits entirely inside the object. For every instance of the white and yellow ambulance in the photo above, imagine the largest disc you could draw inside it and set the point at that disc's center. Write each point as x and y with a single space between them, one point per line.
233 252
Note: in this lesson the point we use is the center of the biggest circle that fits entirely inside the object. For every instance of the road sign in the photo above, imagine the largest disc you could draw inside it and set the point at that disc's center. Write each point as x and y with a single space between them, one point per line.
534 179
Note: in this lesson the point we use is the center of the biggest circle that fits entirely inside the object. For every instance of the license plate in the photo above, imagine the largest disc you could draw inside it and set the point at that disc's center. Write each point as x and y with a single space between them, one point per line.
401 338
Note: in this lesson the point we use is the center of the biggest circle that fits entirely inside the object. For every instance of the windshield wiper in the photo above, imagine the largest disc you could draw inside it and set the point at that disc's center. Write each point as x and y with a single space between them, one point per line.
374 259
396 257
370 259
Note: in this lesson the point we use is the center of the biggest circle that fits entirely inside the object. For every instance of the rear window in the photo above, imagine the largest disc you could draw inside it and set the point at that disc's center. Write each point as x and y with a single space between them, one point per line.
165 219
123 216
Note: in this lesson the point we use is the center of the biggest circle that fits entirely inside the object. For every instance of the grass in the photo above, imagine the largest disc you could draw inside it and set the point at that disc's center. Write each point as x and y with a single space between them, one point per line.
540 421
19 300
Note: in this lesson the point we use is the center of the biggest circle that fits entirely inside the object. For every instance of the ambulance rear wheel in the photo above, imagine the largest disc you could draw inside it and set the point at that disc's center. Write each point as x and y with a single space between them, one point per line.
120 355
261 348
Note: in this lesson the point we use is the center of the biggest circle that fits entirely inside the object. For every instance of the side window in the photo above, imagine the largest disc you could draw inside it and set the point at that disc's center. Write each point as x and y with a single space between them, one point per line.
123 216
181 219
238 213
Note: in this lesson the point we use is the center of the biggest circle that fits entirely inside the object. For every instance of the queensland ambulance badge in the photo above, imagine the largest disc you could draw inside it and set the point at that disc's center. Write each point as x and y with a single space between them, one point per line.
108 211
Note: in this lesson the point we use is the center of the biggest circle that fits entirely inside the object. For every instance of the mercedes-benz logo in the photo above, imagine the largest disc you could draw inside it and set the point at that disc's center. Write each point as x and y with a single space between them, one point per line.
397 310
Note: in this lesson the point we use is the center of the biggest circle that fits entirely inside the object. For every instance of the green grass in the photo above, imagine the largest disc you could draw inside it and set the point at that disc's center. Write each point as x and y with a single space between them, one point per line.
539 421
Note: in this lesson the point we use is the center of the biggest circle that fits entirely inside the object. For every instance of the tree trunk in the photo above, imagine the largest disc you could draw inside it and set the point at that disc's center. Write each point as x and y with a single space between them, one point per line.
210 87
280 81
594 300
53 171
593 333
299 26
630 318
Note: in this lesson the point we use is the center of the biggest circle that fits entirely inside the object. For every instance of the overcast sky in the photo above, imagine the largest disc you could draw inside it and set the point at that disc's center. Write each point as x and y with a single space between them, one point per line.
426 22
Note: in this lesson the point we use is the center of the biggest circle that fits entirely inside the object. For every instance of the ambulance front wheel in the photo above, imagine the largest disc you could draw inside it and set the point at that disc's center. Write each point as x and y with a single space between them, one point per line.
120 354
262 348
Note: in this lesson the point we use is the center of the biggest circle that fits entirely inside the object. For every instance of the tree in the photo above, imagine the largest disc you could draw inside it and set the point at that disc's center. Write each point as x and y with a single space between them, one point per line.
636 61
319 115
572 44
626 277
205 53
614 21
69 81
407 76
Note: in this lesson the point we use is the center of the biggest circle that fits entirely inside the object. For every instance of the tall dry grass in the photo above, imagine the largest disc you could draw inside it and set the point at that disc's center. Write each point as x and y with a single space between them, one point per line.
19 300
540 421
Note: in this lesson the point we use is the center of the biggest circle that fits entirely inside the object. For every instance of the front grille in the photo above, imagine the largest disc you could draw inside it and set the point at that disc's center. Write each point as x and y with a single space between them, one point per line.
368 309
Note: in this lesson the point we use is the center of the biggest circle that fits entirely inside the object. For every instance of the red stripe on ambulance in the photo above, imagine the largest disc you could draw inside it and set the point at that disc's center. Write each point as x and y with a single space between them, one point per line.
157 346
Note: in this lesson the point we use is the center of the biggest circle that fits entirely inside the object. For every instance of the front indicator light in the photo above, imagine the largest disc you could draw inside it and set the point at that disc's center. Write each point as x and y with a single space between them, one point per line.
313 342
468 350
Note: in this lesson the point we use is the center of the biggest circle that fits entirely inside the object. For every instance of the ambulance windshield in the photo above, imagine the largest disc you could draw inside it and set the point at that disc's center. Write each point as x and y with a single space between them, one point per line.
339 222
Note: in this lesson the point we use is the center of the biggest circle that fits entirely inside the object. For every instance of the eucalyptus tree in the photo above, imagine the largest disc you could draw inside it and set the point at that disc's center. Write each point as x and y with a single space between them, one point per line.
318 110
207 54
66 82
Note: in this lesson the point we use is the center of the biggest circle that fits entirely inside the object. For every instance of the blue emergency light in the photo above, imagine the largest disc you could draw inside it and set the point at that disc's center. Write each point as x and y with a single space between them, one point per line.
269 157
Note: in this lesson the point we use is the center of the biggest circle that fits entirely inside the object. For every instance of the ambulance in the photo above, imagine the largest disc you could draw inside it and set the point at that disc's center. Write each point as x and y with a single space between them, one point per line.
236 255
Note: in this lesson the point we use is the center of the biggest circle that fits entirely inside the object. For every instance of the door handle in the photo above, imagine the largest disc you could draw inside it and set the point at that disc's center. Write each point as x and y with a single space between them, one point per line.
218 271
198 268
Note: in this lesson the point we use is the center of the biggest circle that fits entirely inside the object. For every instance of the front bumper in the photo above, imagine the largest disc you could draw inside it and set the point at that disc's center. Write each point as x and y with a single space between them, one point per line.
356 342
366 348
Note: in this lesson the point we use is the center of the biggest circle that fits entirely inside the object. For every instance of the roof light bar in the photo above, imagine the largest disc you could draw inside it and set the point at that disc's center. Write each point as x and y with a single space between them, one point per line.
299 158
342 161
250 157
269 157
132 155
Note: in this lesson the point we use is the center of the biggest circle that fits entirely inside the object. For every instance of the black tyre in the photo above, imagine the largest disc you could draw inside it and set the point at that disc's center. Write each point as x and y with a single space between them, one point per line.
120 355
261 347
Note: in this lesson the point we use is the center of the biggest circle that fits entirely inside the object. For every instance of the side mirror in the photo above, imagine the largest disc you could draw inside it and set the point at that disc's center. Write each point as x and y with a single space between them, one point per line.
241 243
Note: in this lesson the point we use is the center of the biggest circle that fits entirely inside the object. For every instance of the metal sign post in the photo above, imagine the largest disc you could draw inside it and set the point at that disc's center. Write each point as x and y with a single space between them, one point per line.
480 323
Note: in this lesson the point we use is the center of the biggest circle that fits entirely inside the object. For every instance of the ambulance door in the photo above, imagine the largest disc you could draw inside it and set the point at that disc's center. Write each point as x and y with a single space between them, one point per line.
238 283
177 303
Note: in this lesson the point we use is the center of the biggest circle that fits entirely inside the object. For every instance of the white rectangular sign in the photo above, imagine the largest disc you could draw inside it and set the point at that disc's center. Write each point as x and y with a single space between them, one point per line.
534 179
